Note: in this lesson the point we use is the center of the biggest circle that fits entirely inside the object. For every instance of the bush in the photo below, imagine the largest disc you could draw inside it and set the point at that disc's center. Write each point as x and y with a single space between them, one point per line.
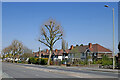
99 62
82 62
85 62
63 61
24 62
44 61
52 62
106 60
33 60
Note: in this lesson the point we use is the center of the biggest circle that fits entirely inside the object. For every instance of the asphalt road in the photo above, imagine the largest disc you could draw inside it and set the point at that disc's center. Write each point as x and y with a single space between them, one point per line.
15 71
75 70
30 71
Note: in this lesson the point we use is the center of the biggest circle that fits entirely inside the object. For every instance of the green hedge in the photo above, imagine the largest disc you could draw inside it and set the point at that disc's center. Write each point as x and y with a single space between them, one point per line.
104 61
42 61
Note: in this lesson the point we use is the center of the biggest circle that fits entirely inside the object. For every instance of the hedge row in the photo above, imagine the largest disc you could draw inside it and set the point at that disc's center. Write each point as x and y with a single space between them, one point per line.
42 61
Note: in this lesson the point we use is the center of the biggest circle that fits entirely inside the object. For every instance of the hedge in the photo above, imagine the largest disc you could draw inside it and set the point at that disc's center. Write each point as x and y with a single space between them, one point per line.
42 61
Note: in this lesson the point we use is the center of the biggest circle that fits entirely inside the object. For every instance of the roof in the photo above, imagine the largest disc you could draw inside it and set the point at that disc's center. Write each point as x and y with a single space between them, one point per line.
99 48
95 48
58 52
79 49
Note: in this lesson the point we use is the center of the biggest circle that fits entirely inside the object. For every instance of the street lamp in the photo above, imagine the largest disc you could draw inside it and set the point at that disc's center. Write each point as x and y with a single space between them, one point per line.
113 37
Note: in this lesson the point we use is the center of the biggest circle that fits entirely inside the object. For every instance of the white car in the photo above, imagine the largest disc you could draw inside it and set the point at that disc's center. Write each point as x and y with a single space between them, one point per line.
27 59
11 59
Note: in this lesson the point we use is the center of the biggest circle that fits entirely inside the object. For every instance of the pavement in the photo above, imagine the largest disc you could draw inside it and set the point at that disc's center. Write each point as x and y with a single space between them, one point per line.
38 71
76 68
90 69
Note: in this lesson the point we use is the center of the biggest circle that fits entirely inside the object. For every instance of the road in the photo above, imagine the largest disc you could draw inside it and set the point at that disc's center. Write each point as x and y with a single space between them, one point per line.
15 71
37 71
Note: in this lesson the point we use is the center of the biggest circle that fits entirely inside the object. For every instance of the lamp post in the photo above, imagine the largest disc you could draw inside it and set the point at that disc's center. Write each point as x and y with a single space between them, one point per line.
113 37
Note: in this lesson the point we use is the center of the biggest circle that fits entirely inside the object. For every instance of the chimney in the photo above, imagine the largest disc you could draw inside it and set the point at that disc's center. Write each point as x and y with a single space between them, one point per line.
90 45
56 50
46 50
77 45
37 55
71 47
33 53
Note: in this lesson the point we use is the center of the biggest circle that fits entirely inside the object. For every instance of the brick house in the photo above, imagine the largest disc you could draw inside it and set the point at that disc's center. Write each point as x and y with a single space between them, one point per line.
56 54
95 51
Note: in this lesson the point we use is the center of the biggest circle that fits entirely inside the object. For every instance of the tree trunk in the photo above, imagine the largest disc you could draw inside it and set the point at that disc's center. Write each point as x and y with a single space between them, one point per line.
14 60
48 63
18 58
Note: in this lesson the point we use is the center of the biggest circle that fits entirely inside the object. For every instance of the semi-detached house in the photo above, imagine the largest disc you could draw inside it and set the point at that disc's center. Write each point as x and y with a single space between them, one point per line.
95 51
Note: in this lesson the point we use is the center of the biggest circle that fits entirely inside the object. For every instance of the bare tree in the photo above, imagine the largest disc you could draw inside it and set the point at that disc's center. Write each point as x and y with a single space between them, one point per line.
6 52
17 49
14 49
20 50
9 49
51 32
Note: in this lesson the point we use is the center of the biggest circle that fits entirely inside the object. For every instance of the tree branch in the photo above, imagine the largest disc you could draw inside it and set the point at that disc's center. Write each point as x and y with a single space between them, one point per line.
44 43
60 37
46 38
47 27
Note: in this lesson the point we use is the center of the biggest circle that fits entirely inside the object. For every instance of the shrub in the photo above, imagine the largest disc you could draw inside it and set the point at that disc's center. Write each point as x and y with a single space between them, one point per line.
85 62
106 60
82 62
32 60
99 62
43 61
51 63
63 61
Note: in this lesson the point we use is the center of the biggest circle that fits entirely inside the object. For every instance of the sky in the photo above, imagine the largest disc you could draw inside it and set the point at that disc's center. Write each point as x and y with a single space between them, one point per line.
82 22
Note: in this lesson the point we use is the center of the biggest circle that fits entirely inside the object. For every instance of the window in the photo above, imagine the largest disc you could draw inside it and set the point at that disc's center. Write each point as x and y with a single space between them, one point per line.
95 54
82 54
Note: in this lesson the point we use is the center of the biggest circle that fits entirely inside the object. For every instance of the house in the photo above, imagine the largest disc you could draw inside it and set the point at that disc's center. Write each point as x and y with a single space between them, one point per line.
82 52
93 51
56 54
